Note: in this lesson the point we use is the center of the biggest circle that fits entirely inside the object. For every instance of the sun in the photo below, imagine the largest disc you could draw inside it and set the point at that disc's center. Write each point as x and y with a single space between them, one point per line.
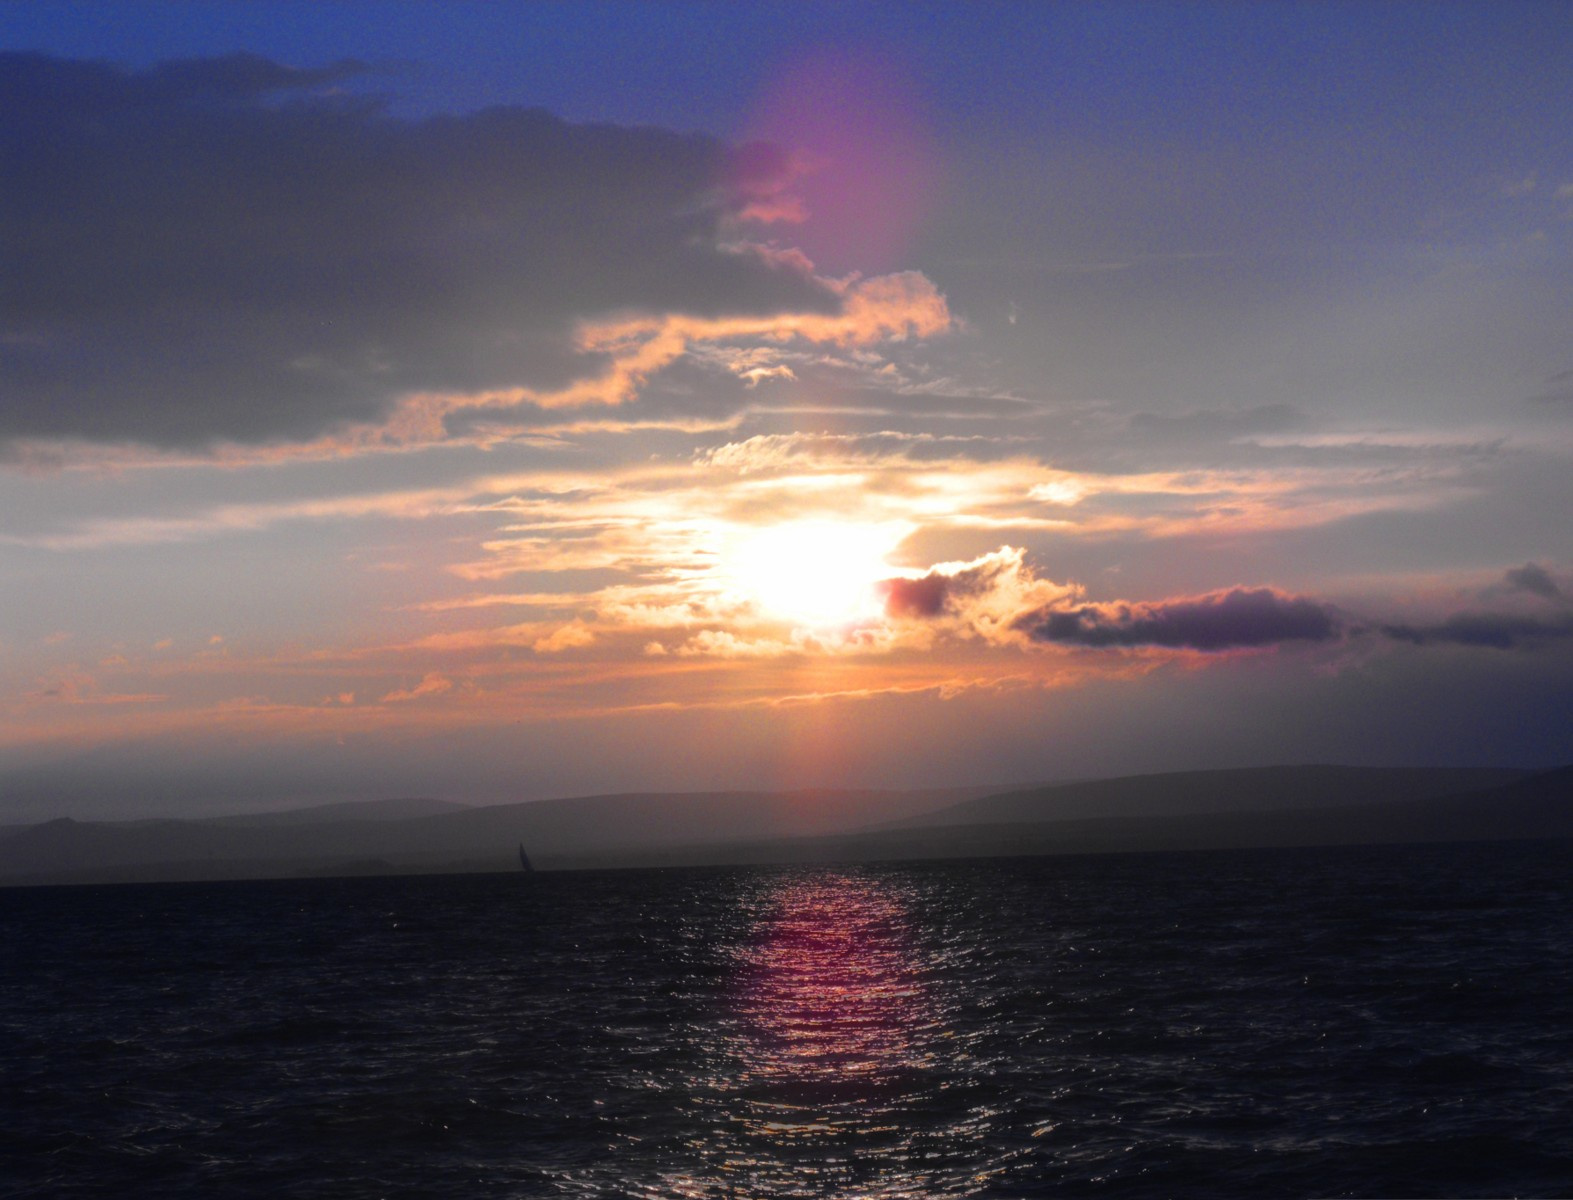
814 573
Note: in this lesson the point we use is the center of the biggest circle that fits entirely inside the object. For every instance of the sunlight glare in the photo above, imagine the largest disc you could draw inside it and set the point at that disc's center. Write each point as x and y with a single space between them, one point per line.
814 573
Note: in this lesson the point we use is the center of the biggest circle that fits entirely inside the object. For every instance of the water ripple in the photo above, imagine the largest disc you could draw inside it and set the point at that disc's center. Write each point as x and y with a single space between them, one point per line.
1339 1022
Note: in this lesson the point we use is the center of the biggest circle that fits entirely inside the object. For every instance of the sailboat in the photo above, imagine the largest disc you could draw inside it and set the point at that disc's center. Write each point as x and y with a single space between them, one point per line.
524 859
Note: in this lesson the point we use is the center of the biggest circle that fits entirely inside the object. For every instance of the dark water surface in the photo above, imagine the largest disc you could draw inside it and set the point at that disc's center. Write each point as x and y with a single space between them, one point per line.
1378 1021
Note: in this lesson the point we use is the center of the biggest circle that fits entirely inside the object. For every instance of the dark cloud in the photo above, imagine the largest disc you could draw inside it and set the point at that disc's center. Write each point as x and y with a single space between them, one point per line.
1495 631
50 89
923 597
1533 579
1228 619
1238 617
1003 587
228 249
939 592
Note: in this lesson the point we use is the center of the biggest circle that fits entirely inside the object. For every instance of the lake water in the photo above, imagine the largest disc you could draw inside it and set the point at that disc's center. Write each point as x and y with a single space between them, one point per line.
1376 1021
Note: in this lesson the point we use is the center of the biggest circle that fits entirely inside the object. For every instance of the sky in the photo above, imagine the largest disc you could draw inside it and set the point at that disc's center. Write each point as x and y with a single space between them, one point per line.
496 402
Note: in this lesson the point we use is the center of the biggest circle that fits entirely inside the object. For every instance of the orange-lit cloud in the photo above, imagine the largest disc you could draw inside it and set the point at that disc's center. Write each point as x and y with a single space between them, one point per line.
78 687
884 308
433 684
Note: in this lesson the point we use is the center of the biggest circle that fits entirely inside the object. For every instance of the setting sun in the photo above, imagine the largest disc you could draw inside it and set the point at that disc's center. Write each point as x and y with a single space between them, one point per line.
754 572
814 573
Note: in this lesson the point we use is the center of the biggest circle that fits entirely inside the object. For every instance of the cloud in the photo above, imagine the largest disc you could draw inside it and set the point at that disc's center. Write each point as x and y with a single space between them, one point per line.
76 687
567 637
981 598
1225 620
226 250
756 375
885 308
434 684
1534 579
1208 426
719 643
1487 630
926 596
1001 599
764 176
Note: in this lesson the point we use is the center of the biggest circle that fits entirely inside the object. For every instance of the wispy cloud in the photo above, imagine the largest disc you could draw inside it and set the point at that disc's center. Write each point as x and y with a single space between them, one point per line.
433 684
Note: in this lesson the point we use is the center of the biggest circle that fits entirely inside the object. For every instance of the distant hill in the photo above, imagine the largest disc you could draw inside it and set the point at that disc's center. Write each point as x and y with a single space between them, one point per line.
1538 806
454 837
349 810
1250 789
1282 806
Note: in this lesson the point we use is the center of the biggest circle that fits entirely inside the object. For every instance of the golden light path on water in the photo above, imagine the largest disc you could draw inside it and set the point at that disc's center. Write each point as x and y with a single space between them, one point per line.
836 1071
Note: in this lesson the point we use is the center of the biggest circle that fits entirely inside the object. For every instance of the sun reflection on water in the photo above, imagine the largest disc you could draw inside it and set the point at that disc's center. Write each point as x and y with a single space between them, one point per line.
835 1070
829 995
